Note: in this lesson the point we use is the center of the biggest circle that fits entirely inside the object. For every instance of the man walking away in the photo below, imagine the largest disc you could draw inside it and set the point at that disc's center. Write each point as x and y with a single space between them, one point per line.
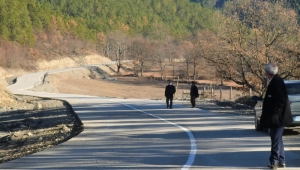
194 94
169 93
276 113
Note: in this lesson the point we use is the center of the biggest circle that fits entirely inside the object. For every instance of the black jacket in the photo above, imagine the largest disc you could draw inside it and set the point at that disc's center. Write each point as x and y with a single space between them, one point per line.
170 91
276 110
194 91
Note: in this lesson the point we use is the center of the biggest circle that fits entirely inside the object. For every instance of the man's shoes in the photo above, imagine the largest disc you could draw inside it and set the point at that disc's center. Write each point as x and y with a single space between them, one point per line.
171 107
273 165
281 165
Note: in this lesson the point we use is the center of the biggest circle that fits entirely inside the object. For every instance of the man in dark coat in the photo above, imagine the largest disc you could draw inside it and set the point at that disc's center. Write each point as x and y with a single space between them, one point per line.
194 93
276 114
169 93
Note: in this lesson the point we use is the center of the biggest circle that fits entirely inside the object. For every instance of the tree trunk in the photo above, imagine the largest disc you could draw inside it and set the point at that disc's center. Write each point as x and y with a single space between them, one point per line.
195 69
173 69
142 69
187 69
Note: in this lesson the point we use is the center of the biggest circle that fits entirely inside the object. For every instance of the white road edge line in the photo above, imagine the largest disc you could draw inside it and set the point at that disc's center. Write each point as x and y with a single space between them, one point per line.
193 150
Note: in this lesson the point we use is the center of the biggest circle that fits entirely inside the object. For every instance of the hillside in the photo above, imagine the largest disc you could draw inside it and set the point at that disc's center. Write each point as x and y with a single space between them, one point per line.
22 20
86 19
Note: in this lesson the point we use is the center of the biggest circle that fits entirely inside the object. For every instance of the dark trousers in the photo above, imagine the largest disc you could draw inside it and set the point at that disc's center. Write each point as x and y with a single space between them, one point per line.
193 101
169 102
277 148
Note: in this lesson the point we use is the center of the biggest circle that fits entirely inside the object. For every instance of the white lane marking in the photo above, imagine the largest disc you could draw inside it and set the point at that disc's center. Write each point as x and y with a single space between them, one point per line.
193 150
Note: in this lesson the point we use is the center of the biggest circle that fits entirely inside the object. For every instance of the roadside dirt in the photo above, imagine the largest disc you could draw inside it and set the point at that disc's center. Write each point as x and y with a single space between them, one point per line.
41 123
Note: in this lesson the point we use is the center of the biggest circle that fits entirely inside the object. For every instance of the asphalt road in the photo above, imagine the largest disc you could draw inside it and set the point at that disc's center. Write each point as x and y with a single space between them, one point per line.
143 134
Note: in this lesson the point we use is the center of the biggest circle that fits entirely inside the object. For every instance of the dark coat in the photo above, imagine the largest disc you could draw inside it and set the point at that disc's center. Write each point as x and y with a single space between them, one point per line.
170 91
194 91
276 110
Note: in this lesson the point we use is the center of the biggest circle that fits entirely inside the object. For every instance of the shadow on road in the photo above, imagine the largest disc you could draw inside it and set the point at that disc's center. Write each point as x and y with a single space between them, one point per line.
291 132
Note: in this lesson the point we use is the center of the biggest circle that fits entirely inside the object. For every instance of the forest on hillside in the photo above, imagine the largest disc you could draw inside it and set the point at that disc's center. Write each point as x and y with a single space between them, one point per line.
232 40
21 19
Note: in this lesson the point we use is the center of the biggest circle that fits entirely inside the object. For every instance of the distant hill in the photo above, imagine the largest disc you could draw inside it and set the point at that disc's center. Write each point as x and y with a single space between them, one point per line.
22 19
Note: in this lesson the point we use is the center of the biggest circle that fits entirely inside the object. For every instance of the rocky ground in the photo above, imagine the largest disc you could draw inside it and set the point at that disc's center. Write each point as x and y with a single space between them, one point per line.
39 124
35 124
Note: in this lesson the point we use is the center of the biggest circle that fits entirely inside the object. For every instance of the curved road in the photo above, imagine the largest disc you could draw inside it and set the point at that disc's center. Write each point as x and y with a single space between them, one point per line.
142 134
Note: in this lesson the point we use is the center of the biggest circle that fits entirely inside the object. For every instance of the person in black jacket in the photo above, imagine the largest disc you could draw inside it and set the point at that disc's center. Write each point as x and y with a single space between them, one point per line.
194 93
276 114
169 93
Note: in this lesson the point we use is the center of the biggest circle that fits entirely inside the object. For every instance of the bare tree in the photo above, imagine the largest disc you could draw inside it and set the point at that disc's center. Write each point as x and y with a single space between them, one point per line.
185 52
252 33
161 39
173 53
161 56
141 52
197 53
117 47
165 52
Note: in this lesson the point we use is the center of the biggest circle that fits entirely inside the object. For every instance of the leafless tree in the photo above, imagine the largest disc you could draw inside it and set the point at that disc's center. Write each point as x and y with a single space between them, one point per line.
160 56
162 43
173 55
185 51
117 47
142 52
197 53
250 34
